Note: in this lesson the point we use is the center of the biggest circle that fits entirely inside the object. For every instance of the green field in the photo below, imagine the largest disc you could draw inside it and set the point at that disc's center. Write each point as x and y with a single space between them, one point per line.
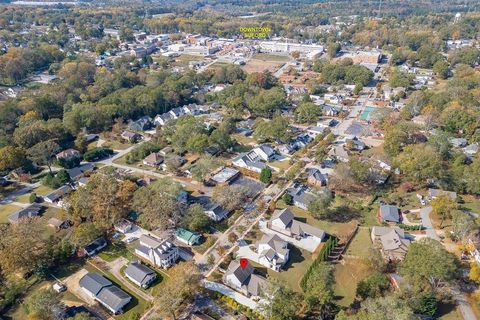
270 57
6 210
361 244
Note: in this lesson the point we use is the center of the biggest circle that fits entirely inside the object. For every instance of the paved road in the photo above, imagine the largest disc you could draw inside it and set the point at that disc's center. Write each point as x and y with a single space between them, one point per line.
427 223
240 298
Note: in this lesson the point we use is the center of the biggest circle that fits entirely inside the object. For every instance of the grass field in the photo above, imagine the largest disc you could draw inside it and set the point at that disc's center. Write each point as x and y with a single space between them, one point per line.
298 263
6 210
282 165
347 275
116 145
258 65
361 244
270 57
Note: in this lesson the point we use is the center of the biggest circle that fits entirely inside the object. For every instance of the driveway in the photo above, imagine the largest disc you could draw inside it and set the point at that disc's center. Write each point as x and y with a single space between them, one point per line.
244 251
136 232
72 285
310 244
115 266
240 298
427 223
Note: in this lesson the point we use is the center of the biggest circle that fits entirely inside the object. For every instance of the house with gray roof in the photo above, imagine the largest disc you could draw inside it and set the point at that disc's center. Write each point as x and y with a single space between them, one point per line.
249 161
389 214
435 193
273 251
31 211
56 196
391 241
244 280
95 246
140 274
215 212
316 178
141 124
283 221
160 253
105 292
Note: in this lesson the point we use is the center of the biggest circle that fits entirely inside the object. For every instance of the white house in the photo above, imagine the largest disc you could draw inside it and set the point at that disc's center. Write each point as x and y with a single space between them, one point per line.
160 253
273 251
283 222
264 152
244 279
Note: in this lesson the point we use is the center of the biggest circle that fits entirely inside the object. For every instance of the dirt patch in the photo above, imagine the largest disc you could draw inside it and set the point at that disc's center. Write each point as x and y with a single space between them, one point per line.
72 283
256 65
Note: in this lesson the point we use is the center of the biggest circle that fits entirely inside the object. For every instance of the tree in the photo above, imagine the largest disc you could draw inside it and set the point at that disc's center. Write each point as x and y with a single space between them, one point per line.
474 273
427 261
11 158
266 175
287 198
43 153
230 197
373 286
81 143
420 162
275 130
464 226
333 49
307 112
232 237
266 102
195 218
85 233
183 287
319 289
32 198
320 202
279 302
23 236
384 308
211 259
204 166
221 138
443 206
157 204
441 69
44 304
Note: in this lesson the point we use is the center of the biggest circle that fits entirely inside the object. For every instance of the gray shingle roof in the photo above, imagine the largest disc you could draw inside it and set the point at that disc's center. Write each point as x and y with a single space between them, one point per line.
390 213
113 297
93 282
28 212
139 272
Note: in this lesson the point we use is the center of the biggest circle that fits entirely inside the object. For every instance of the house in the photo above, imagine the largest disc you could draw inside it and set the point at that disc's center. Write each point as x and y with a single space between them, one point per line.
302 195
142 124
176 112
80 170
273 251
140 274
339 153
160 253
154 159
95 246
330 111
244 279
249 161
102 290
215 212
317 178
162 119
123 226
187 237
55 197
392 242
68 154
165 151
315 131
264 152
388 213
355 144
434 193
131 136
31 211
283 222
458 142
58 224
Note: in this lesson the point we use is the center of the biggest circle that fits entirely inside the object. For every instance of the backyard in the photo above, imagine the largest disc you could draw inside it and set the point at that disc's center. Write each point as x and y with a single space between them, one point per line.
348 274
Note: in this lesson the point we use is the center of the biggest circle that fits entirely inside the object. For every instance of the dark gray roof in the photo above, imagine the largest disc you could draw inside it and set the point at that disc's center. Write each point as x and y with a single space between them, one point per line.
240 273
113 297
390 213
139 272
285 215
93 282
28 212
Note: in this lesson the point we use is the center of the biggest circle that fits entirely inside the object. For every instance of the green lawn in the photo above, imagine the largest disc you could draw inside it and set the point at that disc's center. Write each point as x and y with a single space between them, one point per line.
116 145
361 244
471 204
347 276
298 263
6 210
282 165
42 190
330 227
270 57
114 251
242 139
24 198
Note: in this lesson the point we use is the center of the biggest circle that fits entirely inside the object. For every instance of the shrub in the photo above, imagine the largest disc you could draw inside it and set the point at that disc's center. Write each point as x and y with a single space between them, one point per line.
32 198
97 154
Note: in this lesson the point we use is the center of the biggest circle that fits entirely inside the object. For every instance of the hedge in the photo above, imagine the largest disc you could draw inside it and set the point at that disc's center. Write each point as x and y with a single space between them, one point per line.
322 256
